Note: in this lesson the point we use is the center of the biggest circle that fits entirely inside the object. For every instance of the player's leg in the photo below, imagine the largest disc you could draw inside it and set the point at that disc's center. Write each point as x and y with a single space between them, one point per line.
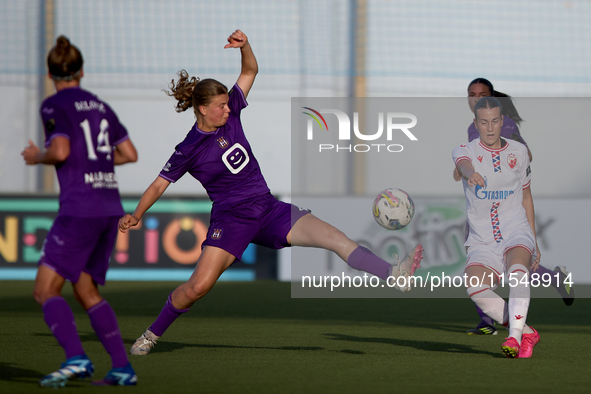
211 264
309 231
104 323
60 319
518 266
480 282
561 285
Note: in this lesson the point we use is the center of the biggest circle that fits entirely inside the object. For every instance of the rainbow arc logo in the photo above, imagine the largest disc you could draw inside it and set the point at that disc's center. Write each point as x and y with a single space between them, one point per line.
315 118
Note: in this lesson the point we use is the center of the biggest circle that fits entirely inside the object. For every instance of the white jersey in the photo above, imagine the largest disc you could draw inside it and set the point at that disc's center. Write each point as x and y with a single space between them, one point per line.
496 210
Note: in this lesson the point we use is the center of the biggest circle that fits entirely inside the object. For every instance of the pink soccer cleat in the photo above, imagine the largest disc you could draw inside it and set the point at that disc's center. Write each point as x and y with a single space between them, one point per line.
412 262
528 341
510 348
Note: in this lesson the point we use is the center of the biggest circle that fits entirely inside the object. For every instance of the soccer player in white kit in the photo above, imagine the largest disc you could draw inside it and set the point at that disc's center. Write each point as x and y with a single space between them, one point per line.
496 178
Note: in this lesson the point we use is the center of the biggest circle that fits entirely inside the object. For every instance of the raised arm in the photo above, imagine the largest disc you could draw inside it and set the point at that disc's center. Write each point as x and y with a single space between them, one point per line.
250 68
150 196
58 151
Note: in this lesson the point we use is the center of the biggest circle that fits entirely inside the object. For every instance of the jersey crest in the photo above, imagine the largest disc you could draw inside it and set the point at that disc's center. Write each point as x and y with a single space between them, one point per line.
511 160
222 142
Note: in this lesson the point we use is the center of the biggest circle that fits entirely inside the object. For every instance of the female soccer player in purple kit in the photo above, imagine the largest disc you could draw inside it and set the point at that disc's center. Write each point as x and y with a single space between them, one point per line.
84 140
482 87
217 154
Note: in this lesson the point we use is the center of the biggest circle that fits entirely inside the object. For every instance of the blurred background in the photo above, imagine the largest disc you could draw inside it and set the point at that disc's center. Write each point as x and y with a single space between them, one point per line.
322 48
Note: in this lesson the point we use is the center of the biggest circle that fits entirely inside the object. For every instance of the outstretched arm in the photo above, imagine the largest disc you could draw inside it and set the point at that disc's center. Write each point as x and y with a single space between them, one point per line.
466 171
150 196
250 68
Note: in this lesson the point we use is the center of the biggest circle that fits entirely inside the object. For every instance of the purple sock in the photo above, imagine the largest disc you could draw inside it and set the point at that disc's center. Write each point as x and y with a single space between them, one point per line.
60 319
484 318
104 323
166 317
364 260
543 270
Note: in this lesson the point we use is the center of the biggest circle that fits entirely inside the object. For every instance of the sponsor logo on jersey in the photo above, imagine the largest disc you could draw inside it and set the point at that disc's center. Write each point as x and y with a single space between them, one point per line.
518 317
479 158
528 171
511 160
236 158
166 167
217 233
222 142
483 194
101 180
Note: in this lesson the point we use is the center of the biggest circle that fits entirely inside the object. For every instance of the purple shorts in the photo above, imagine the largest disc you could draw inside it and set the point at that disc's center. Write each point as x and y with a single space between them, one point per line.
75 245
264 221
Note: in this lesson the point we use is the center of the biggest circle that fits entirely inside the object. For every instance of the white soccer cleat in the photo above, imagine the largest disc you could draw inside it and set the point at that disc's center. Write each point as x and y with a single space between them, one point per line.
407 268
144 344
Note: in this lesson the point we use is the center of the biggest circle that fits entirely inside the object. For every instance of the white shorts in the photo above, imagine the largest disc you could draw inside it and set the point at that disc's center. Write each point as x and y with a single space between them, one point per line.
492 256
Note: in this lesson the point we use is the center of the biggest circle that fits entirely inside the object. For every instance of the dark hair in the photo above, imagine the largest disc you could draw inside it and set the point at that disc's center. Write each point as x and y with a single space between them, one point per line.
509 108
192 92
488 103
64 60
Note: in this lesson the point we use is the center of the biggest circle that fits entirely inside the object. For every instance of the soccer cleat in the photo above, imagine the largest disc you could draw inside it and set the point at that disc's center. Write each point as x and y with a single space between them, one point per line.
565 290
510 348
74 367
144 344
528 341
407 267
124 376
484 329
412 262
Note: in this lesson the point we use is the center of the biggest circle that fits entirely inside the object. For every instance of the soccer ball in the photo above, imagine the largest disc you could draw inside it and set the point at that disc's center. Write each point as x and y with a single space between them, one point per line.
393 209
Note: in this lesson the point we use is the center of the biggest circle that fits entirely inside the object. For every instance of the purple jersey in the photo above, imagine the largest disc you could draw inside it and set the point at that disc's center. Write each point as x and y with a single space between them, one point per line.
509 131
87 179
221 160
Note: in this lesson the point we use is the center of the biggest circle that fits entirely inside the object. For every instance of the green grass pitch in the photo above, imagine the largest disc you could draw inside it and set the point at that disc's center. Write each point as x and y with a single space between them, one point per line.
254 338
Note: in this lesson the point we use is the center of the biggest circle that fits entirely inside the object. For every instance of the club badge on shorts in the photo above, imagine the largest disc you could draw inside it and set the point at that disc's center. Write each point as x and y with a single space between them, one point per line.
217 233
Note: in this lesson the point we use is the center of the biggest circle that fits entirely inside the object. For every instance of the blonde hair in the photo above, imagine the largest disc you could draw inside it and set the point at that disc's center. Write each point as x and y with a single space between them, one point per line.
193 92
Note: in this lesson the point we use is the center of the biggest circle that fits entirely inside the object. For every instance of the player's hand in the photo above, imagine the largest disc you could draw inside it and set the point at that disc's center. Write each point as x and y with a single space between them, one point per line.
457 176
126 222
476 179
237 40
30 153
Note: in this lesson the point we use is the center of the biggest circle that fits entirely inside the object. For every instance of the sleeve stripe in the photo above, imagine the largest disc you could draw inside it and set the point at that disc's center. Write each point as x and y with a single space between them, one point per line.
48 142
168 179
528 184
121 140
463 158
